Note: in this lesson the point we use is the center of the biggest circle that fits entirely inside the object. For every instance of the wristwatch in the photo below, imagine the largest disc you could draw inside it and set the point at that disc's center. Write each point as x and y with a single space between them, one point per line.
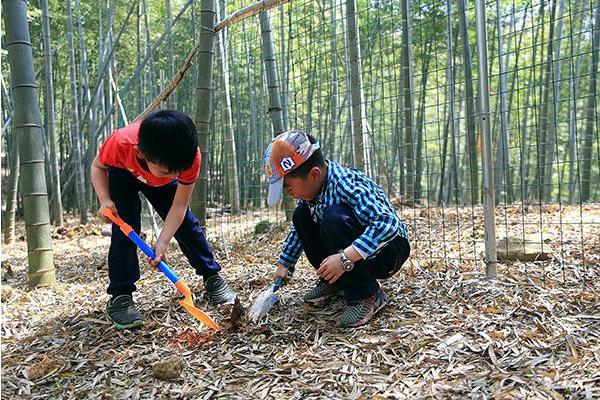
347 265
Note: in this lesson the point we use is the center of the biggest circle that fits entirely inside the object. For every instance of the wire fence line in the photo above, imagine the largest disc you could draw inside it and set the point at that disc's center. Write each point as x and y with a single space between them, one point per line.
392 87
412 120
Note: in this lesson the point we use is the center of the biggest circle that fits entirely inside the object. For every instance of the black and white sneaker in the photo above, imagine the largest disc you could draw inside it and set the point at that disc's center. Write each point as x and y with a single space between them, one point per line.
322 291
360 312
217 291
123 313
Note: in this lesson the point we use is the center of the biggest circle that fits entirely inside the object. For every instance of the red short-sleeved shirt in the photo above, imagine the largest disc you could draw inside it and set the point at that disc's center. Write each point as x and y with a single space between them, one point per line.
119 151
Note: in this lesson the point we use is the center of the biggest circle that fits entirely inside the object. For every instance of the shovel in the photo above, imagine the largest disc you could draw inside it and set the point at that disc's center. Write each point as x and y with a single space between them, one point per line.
188 302
265 300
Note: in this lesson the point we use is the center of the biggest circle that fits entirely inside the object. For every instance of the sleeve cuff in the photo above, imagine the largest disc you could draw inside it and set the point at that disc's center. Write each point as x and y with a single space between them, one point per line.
364 249
286 261
361 252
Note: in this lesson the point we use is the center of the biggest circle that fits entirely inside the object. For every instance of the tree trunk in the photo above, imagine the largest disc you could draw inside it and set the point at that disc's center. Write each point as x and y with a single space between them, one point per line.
451 126
56 200
28 129
591 113
503 167
254 132
334 104
529 105
268 50
473 185
544 107
108 92
421 120
170 44
75 132
408 100
204 94
552 139
285 56
574 76
232 165
360 139
275 109
11 191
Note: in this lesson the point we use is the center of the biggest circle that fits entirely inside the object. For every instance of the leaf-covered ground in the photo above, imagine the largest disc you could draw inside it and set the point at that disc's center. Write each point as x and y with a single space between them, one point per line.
447 332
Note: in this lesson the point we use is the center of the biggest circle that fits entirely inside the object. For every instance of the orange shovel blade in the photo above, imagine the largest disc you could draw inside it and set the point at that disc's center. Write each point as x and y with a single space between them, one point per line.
199 314
188 305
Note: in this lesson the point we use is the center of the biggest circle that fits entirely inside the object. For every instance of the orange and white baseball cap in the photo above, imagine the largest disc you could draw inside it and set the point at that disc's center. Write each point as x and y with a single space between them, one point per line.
286 152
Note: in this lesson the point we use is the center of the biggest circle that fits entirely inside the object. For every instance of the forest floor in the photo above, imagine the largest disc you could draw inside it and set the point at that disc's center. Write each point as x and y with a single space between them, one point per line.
447 332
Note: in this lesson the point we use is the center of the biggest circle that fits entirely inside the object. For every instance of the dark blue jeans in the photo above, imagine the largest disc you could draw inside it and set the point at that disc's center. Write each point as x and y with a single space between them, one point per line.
338 229
123 266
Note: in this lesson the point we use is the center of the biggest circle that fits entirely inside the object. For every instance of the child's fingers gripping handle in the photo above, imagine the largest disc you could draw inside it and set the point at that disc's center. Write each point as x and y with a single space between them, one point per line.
139 242
164 268
125 227
278 283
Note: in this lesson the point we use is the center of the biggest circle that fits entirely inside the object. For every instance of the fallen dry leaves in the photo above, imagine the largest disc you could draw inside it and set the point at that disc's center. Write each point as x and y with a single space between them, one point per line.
446 333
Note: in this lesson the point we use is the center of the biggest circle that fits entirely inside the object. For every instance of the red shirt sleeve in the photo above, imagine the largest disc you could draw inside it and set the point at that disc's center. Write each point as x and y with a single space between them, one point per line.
190 175
111 153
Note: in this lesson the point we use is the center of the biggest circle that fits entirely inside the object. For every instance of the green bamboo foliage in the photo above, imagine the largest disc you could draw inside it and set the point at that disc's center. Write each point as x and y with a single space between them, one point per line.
416 91
204 94
29 132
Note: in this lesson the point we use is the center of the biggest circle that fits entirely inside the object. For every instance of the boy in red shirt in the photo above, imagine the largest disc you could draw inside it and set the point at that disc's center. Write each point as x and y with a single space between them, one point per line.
159 157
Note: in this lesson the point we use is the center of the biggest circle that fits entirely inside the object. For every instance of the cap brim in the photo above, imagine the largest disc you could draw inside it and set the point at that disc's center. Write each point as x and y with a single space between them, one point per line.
275 191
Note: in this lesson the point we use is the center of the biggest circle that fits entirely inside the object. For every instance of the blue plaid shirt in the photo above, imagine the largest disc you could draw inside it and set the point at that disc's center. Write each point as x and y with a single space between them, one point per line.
369 202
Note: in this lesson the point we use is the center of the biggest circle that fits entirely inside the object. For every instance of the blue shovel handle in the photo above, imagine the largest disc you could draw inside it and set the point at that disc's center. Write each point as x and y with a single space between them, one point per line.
162 266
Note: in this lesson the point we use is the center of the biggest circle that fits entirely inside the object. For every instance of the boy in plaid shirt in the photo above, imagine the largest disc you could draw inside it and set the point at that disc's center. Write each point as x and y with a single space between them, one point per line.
343 221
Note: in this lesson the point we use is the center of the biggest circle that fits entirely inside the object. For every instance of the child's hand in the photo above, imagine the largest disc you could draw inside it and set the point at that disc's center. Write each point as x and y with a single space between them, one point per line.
331 268
281 272
107 204
160 249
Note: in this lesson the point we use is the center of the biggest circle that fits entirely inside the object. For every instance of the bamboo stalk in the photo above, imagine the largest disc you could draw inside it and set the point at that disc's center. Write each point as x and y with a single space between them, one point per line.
28 129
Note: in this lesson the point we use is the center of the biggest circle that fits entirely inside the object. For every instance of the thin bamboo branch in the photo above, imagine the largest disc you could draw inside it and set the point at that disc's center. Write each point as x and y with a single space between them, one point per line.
248 12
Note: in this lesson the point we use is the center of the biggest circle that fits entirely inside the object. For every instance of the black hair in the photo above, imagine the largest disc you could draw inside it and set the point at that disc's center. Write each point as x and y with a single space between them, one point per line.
315 160
169 138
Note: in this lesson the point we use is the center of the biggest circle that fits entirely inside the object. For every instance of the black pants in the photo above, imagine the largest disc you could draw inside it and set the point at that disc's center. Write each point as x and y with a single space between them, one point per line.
123 266
340 228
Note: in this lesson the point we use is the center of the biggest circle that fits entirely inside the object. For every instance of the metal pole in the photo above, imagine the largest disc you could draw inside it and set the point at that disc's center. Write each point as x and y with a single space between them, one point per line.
486 148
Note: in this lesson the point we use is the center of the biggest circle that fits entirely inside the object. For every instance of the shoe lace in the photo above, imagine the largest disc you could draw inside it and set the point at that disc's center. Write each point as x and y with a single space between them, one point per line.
216 287
122 302
361 306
